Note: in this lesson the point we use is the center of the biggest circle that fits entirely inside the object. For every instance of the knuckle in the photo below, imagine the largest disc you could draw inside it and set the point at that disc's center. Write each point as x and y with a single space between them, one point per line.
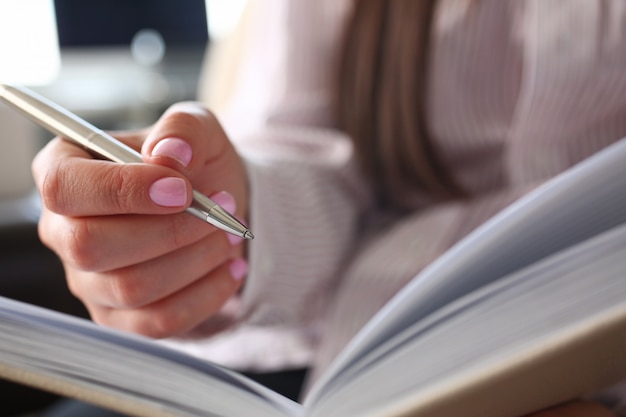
146 322
106 317
73 285
192 117
124 189
180 230
180 116
177 233
190 112
79 245
51 188
158 324
165 324
126 291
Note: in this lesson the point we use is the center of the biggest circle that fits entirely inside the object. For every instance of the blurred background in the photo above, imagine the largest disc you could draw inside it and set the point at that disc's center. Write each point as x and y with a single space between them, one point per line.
116 63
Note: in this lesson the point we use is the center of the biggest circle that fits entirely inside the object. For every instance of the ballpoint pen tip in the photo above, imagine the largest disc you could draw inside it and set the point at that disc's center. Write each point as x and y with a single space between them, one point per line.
248 235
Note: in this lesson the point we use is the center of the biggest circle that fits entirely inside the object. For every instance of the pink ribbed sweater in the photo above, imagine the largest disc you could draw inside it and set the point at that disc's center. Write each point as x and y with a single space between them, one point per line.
519 91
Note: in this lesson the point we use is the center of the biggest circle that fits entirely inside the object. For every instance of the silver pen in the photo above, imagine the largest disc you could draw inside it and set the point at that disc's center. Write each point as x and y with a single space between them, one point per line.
63 123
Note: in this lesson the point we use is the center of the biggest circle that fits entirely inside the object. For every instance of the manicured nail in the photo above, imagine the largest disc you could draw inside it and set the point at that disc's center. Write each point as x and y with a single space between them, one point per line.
238 268
169 192
174 148
225 200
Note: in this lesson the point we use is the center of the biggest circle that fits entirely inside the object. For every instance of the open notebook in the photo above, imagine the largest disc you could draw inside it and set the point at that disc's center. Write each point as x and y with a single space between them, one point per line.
527 311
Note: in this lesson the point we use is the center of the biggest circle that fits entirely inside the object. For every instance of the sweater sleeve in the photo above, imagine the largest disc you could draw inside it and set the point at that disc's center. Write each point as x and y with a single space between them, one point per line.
306 195
307 198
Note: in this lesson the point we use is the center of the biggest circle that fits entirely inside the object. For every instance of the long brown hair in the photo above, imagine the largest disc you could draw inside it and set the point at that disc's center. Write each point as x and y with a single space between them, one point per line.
381 99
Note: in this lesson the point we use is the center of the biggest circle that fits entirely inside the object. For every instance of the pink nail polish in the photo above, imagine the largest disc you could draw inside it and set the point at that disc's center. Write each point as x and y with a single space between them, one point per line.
225 200
177 149
238 269
169 192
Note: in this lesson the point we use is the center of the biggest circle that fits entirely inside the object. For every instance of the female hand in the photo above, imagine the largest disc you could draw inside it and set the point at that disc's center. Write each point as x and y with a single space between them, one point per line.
130 253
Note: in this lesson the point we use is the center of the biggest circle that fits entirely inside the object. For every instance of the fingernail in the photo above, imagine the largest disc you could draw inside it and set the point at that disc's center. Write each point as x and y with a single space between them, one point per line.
169 192
174 148
225 200
238 269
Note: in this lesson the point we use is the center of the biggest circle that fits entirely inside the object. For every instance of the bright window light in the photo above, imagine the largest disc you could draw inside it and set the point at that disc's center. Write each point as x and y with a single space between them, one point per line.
29 47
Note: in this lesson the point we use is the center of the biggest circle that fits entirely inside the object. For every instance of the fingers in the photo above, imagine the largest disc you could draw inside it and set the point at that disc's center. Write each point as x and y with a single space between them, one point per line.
72 184
174 140
185 149
166 295
146 282
106 243
130 254
181 311
189 138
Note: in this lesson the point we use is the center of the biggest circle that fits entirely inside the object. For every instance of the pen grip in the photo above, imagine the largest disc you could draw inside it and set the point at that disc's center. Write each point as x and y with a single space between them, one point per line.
62 122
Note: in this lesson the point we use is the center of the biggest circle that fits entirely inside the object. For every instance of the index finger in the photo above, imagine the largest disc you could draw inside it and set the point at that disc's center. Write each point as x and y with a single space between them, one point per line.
73 184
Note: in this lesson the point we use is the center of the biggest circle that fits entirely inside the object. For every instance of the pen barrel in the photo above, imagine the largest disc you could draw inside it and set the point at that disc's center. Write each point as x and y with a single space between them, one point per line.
60 121
206 209
108 147
56 119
